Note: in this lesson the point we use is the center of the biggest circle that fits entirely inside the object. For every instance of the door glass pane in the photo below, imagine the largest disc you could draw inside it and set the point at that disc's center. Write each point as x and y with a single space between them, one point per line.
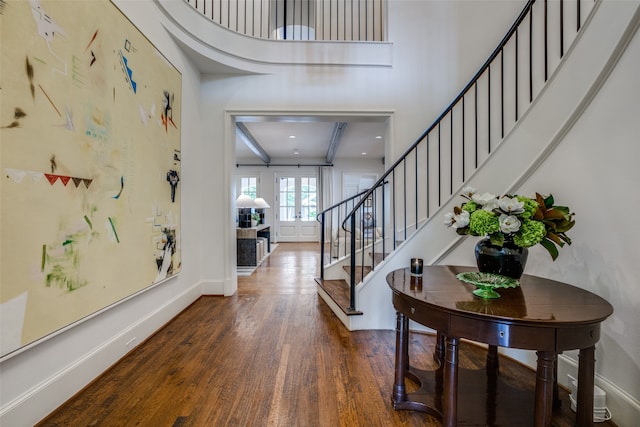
287 199
308 198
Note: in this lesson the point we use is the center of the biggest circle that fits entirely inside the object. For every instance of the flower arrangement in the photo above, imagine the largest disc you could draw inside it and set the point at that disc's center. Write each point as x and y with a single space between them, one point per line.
523 220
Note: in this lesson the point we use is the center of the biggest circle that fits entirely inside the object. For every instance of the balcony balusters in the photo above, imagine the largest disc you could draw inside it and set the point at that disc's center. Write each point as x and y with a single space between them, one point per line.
343 20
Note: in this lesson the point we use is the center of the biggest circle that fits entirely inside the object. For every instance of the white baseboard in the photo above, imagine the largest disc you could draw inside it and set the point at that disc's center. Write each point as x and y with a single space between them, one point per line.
46 396
212 288
624 408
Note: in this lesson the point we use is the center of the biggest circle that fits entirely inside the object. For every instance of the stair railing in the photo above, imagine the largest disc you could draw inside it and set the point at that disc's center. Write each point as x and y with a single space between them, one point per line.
442 158
331 224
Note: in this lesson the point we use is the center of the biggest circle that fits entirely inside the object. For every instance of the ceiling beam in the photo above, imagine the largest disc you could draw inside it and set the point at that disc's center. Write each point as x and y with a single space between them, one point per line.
243 133
338 130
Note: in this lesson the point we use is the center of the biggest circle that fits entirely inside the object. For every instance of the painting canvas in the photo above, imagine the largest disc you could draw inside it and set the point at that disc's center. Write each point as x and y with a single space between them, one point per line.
90 161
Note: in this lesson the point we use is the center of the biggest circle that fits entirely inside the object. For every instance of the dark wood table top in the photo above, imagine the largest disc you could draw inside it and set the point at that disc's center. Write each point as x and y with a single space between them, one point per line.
536 302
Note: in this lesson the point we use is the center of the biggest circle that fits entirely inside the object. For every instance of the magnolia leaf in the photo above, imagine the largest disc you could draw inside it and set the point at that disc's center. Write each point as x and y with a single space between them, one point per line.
553 214
548 202
564 226
538 215
540 200
551 248
554 237
565 210
565 238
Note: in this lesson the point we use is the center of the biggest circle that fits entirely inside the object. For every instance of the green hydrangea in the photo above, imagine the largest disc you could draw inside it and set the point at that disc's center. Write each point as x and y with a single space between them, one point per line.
483 223
530 207
531 233
470 206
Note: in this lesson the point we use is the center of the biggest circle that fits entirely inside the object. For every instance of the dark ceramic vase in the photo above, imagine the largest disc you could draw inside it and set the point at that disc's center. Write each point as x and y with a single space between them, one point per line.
507 260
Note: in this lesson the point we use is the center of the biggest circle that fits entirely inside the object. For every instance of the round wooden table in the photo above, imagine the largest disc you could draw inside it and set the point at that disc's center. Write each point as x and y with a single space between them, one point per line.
541 314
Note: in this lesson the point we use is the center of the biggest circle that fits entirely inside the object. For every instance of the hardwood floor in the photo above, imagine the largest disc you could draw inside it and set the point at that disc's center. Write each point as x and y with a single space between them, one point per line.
271 355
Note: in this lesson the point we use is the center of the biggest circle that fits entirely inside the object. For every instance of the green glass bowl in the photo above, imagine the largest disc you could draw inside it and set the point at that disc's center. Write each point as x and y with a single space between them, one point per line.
487 283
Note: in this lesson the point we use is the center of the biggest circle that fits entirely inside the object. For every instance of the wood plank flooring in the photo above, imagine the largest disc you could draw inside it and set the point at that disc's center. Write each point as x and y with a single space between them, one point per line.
271 355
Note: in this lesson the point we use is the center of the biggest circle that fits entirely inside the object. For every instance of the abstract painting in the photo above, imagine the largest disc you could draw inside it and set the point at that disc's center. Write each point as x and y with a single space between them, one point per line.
90 160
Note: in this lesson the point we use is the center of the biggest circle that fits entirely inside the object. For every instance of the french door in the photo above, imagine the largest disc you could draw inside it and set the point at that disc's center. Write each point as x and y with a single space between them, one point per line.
297 199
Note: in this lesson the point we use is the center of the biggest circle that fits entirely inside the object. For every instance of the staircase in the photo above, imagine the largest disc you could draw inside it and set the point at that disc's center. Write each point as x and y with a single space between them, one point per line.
486 124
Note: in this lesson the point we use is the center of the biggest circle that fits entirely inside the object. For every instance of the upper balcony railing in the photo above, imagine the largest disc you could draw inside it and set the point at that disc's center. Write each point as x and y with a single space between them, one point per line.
340 20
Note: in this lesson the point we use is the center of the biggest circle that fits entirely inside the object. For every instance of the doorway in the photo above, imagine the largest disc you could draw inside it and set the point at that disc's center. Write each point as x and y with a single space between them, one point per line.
297 207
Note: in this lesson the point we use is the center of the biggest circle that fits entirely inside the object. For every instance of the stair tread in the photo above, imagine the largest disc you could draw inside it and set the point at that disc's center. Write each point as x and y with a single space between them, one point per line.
360 272
338 290
378 257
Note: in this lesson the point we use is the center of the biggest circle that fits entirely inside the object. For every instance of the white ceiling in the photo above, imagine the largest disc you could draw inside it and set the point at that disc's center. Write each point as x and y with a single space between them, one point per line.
313 135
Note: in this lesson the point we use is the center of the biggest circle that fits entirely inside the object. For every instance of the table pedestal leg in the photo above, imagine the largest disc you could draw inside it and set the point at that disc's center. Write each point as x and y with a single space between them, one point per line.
492 368
402 358
438 354
450 373
557 403
586 382
544 388
493 362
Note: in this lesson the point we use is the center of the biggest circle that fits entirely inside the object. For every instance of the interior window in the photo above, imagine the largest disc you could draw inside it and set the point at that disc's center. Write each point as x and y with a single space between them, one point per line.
249 186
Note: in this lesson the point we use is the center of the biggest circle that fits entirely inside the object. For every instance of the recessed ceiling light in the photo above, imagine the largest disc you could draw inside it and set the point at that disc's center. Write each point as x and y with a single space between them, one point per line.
296 152
379 137
292 137
364 153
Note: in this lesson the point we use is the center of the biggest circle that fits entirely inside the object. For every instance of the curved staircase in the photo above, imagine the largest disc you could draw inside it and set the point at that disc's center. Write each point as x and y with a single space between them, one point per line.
535 106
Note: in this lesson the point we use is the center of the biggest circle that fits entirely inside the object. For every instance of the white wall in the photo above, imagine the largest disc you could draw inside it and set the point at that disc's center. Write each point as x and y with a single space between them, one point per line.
595 171
345 172
36 381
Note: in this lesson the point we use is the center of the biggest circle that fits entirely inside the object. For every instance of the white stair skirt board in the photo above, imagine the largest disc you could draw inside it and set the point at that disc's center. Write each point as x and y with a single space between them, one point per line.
247 270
